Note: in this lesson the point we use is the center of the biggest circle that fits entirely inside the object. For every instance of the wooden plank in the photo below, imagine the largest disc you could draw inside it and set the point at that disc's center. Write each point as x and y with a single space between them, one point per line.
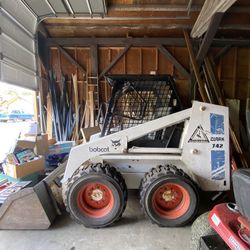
234 71
174 61
141 60
88 132
115 60
208 39
91 108
148 60
94 59
75 84
221 101
49 118
71 59
210 7
133 61
195 68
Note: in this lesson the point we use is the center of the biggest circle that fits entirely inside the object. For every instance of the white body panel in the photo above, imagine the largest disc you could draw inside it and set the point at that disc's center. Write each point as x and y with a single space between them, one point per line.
207 156
202 158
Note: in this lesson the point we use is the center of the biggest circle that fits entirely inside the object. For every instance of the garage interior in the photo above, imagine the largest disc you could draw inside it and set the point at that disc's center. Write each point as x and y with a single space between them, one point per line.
70 51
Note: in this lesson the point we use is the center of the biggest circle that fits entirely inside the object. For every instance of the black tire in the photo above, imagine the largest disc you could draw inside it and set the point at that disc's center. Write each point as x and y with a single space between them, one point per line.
103 176
185 204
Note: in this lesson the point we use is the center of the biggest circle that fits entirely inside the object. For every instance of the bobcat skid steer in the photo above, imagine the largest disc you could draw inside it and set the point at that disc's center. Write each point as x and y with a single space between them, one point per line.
168 158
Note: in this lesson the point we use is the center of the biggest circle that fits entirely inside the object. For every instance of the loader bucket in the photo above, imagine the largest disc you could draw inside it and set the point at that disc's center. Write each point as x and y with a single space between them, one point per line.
32 207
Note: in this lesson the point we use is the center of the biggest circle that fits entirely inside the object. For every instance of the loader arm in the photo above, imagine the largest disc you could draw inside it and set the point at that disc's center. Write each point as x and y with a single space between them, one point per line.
117 143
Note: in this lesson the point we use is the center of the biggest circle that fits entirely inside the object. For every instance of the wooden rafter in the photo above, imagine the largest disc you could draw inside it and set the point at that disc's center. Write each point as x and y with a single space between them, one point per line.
173 60
115 60
71 59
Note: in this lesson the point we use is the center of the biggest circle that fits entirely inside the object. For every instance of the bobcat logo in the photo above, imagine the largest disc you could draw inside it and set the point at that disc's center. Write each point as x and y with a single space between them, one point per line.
116 143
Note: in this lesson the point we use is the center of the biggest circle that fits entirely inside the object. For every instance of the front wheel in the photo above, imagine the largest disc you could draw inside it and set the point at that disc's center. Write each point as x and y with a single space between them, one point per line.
96 196
169 197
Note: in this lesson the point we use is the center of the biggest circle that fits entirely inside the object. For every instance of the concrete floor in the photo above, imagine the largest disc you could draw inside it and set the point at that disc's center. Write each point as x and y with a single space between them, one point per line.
132 232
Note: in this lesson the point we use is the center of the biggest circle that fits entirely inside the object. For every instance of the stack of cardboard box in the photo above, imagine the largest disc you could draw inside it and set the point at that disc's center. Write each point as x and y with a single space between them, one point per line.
28 155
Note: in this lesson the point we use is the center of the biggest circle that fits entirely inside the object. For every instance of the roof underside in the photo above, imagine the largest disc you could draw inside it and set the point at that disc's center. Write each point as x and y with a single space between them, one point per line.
133 18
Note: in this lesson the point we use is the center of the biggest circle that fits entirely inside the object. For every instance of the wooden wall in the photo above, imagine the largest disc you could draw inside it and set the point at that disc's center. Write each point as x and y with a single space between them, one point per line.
234 73
233 68
135 61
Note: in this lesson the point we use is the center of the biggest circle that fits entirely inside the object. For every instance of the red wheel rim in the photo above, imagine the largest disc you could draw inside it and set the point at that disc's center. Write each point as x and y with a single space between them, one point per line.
95 200
171 200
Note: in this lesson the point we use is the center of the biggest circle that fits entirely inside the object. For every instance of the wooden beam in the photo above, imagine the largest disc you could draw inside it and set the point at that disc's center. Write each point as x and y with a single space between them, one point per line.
115 26
195 68
115 60
209 8
222 52
208 39
71 59
140 42
115 41
173 60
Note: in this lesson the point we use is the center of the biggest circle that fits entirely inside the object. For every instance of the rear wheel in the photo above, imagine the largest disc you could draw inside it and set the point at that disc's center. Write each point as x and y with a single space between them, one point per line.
96 196
169 197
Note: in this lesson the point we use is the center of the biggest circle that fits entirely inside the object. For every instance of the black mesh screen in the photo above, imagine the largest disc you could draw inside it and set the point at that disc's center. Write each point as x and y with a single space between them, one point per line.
138 99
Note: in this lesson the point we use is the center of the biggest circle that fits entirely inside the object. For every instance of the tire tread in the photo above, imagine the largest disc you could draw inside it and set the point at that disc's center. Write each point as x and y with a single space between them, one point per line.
98 168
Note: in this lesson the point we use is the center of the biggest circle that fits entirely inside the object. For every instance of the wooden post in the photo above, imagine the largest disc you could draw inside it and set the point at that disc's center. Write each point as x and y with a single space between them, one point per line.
195 67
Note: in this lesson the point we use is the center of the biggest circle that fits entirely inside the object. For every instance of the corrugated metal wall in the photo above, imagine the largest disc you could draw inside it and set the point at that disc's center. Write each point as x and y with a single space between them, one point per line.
17 44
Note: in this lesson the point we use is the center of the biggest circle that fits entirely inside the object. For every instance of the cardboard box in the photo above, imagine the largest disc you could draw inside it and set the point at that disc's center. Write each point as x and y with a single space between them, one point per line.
38 143
18 171
52 141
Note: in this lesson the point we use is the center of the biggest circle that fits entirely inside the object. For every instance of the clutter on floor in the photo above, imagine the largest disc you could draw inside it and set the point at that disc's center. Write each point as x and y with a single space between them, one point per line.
30 174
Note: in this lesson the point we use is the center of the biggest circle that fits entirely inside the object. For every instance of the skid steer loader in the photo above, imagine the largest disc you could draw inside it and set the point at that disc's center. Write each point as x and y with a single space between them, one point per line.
168 156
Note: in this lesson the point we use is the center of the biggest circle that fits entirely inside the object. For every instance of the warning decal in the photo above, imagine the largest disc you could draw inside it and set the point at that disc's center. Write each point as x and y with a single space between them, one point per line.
218 164
199 135
217 124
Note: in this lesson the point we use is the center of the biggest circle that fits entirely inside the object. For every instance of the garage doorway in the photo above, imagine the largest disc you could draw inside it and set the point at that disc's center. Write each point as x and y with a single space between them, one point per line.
17 111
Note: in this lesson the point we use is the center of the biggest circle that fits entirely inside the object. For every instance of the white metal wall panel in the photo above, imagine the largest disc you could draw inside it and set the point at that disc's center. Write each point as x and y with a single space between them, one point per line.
20 13
17 44
79 6
16 53
16 33
97 6
58 6
41 8
14 75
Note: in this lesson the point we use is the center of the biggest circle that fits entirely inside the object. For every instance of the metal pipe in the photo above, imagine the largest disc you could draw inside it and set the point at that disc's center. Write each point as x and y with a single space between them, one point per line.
69 7
51 7
89 7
